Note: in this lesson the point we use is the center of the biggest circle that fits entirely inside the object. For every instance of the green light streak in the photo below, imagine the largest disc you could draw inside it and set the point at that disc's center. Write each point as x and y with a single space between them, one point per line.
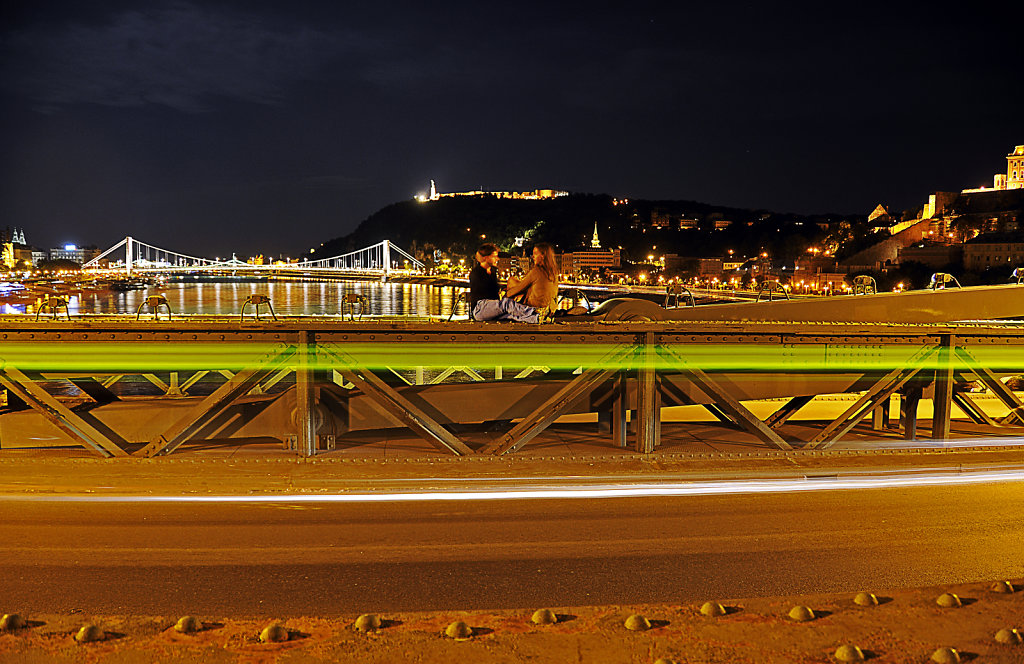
130 357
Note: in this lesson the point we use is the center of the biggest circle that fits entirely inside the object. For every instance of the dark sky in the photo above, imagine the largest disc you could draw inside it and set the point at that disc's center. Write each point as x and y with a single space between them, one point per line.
269 127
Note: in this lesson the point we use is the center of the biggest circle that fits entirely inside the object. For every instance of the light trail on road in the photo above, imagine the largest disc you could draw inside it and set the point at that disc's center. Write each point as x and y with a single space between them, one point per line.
807 483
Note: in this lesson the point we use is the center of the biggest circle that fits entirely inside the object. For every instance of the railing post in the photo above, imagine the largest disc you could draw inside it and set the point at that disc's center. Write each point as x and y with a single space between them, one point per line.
909 400
648 401
619 438
943 399
305 405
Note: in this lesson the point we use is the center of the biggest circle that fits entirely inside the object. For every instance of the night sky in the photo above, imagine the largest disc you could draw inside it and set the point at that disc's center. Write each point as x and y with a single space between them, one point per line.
272 126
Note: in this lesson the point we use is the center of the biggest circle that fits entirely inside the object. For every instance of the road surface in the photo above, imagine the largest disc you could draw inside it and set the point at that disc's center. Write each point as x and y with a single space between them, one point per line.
291 559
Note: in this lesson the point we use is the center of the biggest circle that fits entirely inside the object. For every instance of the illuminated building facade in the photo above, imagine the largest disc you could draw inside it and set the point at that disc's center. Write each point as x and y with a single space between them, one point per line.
580 262
71 252
1012 179
1015 168
535 195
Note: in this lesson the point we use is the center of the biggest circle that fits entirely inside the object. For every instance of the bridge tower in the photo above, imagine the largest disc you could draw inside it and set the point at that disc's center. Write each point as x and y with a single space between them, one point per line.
387 259
128 255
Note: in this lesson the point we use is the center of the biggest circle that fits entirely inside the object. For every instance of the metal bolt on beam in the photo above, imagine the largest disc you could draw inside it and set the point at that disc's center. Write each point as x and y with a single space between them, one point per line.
800 613
949 601
637 623
188 625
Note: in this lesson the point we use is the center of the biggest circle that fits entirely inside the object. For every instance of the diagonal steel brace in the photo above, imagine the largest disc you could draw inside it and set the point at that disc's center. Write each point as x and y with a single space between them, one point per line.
209 408
393 403
65 419
1002 392
884 388
541 418
729 404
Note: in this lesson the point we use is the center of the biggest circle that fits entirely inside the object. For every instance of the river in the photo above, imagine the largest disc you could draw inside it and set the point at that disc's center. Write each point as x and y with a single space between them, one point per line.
290 298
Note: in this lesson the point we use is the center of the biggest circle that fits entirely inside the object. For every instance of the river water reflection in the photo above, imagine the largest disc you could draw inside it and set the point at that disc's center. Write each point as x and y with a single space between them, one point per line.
288 298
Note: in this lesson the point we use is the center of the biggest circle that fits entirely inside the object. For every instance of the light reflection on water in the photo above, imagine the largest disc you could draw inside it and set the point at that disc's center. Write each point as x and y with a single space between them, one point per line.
288 298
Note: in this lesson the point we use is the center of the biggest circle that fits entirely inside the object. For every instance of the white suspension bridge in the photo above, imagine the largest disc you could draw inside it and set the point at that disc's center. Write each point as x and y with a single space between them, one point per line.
135 256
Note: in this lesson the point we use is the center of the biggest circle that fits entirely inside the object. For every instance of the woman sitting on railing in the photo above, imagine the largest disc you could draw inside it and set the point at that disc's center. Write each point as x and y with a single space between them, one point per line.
540 285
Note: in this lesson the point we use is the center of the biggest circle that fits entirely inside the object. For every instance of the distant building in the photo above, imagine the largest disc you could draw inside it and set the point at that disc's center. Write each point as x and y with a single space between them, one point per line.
994 250
932 254
698 266
535 195
660 218
938 203
1012 179
1015 168
821 281
572 264
880 216
71 252
14 252
688 223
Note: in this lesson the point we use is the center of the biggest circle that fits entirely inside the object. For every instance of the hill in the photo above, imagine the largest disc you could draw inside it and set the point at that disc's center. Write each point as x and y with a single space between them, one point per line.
455 226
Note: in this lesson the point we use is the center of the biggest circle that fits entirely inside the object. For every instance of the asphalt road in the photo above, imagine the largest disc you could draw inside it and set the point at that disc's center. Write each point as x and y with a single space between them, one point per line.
237 560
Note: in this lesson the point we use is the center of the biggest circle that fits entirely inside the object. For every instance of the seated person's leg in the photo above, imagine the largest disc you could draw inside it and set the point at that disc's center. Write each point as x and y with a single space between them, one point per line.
488 310
521 313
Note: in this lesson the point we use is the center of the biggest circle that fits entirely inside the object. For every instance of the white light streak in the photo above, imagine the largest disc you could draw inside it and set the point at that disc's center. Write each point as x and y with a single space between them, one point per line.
589 491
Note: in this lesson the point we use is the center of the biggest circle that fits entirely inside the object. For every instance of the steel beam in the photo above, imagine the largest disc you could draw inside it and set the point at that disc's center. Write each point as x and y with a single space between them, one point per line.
305 394
677 397
542 417
619 410
942 401
909 401
993 383
534 423
880 416
89 434
972 410
648 401
884 388
731 406
779 417
204 412
393 403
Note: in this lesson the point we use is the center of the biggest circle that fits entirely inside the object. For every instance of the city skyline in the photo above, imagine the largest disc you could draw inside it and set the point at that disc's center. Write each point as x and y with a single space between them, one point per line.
252 127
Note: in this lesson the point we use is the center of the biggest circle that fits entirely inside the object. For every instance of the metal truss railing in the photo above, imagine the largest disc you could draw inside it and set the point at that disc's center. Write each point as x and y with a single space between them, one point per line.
312 383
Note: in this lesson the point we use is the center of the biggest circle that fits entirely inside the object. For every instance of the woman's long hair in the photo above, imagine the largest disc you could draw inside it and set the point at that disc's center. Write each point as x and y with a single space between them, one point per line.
548 266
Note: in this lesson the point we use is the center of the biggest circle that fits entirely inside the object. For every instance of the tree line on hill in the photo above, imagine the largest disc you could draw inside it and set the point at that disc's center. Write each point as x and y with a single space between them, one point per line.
455 226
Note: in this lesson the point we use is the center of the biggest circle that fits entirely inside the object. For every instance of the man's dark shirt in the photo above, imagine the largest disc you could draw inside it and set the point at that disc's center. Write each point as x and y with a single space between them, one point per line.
482 286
